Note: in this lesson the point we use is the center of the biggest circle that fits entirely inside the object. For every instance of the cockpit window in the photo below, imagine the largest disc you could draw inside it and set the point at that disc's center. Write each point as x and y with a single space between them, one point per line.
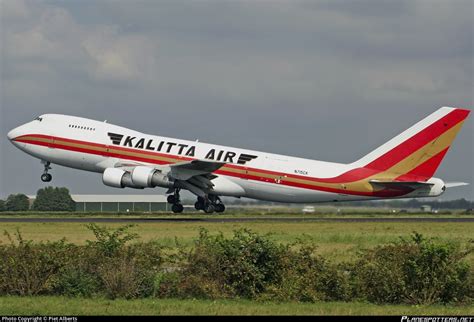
38 119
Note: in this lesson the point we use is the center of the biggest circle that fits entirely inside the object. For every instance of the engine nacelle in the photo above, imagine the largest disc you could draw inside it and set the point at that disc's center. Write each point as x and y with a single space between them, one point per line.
113 177
118 178
148 177
141 176
161 180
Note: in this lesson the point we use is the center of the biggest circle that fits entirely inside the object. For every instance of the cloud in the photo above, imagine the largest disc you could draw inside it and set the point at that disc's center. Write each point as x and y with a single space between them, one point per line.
54 42
232 50
118 57
347 76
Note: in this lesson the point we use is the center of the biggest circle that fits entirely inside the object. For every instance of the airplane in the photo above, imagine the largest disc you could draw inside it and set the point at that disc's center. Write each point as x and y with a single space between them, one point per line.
401 168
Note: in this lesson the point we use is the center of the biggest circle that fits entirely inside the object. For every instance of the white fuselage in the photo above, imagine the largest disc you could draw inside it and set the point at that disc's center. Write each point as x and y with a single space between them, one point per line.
95 146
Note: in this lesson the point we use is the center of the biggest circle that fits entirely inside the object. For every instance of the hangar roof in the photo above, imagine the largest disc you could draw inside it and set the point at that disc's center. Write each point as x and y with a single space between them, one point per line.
119 198
116 198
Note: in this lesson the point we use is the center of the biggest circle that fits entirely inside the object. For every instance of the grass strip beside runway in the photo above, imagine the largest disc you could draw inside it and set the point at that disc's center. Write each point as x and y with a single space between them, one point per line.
55 305
338 241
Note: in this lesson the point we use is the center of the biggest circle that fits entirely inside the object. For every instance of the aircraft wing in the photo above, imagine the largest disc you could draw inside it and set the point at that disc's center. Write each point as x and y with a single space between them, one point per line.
181 170
195 176
188 169
400 185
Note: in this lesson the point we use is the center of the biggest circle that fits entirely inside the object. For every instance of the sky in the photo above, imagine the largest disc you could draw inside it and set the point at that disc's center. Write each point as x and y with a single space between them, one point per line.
328 80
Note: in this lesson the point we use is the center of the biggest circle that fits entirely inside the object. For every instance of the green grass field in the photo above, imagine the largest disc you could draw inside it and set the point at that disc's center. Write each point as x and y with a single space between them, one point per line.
42 305
251 212
339 241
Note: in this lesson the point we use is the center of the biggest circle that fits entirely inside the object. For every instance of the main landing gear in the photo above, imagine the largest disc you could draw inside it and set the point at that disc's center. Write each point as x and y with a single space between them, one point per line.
46 177
213 203
209 205
174 199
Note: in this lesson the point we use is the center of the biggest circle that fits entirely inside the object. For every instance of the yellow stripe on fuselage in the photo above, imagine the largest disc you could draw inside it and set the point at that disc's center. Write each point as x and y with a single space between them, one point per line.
420 156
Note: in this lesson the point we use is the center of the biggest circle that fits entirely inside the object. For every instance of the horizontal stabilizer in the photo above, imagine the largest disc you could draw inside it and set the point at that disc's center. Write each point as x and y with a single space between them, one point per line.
456 184
400 185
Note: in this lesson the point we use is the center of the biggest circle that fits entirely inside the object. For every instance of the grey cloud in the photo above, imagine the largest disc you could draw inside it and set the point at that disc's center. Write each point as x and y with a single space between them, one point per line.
320 79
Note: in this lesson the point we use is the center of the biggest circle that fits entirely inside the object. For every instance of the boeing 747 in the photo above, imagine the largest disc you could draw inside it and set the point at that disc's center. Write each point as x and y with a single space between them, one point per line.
401 168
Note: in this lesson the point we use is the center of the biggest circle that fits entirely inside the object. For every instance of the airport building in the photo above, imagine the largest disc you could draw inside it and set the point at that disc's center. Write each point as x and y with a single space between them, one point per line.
120 203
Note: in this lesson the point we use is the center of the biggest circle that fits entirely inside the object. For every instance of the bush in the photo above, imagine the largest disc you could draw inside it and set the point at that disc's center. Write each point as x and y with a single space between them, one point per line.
18 202
246 265
311 278
103 267
131 272
78 276
110 242
416 271
242 266
2 205
53 199
166 284
27 268
119 277
124 270
76 282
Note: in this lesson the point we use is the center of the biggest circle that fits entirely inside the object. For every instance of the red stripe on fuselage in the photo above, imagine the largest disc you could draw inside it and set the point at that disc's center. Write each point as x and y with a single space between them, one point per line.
381 164
55 143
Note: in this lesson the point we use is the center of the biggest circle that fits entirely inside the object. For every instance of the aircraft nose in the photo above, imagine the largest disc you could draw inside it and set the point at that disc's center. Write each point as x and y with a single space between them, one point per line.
13 134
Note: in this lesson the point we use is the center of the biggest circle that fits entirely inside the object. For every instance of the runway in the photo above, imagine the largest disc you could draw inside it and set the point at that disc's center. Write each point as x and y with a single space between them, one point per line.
218 219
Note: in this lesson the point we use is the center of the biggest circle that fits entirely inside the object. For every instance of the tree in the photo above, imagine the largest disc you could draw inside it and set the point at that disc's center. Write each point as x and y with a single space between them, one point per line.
2 205
54 199
17 202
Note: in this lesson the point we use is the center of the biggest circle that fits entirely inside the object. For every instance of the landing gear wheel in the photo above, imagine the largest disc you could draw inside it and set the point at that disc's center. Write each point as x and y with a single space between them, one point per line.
177 208
46 177
209 208
174 198
199 205
171 199
219 207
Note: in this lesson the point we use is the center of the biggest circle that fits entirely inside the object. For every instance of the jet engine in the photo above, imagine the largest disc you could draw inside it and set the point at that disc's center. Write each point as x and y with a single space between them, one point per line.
143 176
118 178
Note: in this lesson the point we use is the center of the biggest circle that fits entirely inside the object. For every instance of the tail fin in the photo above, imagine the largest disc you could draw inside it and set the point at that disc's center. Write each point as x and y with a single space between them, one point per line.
415 154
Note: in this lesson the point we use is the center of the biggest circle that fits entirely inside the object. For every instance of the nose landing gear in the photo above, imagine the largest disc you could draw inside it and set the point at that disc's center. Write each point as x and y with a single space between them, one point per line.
46 177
